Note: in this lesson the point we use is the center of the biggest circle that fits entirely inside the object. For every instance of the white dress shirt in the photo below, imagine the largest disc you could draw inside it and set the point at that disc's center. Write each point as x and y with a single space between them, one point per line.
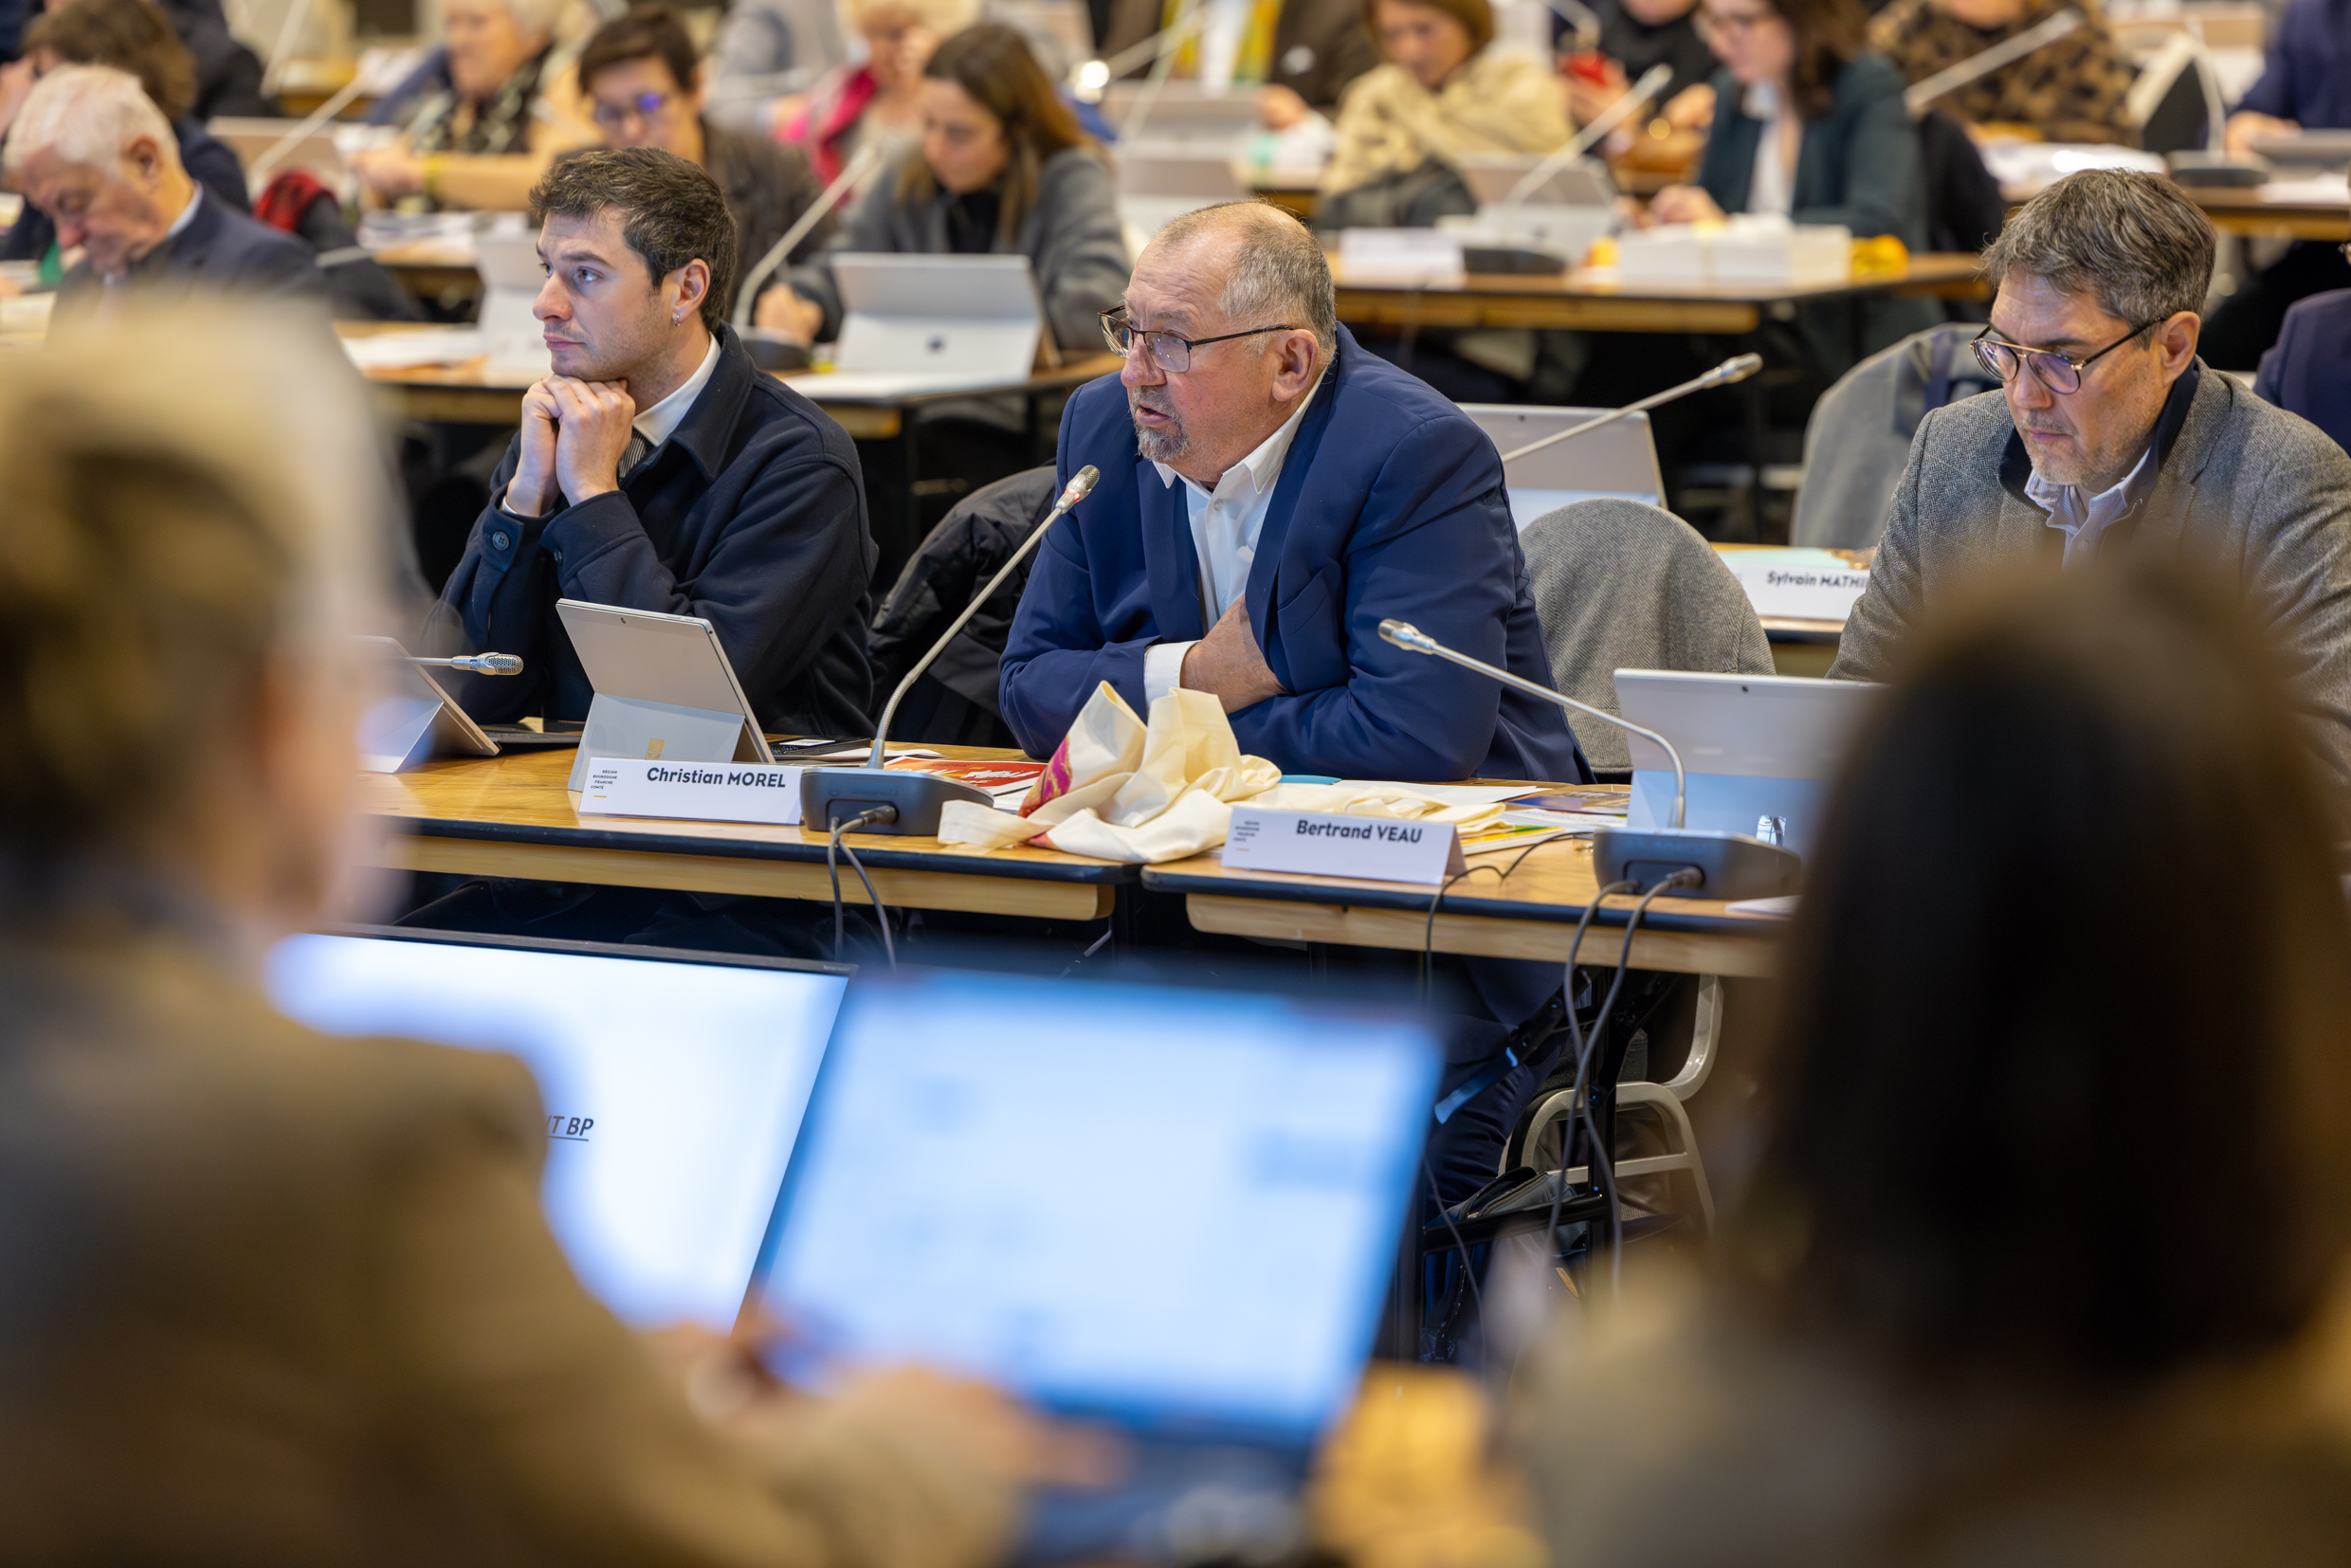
1772 187
1225 525
2081 522
655 423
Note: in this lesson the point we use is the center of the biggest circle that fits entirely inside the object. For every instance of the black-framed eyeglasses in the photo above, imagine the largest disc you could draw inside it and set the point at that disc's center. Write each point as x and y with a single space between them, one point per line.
2054 371
647 107
1167 351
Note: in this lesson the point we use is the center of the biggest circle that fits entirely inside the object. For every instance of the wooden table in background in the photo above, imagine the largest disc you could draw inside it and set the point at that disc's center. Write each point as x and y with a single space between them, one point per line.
2254 212
1532 915
1584 302
469 393
512 816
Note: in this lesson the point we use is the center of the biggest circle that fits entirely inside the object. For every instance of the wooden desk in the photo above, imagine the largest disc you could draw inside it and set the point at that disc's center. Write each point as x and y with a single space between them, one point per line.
1531 916
1593 303
512 816
2295 211
468 394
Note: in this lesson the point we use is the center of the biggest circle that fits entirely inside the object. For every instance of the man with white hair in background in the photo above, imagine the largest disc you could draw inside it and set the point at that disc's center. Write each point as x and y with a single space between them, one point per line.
91 150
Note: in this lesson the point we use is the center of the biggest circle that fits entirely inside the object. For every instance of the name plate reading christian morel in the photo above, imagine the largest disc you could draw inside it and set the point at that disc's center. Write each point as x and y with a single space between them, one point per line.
1376 849
692 791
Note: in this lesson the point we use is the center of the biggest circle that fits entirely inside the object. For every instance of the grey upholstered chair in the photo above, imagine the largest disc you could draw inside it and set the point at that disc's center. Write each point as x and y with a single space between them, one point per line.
1623 584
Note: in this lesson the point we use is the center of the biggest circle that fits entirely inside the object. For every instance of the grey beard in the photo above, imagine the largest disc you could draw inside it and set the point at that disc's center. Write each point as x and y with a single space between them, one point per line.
1162 446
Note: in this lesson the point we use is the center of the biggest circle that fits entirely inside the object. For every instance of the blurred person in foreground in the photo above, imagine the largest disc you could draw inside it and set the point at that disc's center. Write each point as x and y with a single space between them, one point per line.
2039 1261
646 88
94 156
2110 437
272 1298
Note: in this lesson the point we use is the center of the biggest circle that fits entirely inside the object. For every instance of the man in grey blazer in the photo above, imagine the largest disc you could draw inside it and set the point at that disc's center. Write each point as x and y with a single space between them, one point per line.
2111 435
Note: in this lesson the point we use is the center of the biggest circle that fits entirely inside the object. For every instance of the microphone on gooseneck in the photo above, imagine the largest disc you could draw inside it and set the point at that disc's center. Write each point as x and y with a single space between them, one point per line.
480 664
1737 368
830 795
1728 866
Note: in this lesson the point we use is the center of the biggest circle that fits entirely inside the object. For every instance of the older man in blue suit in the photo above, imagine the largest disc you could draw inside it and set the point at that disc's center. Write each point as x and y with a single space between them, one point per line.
90 150
1270 494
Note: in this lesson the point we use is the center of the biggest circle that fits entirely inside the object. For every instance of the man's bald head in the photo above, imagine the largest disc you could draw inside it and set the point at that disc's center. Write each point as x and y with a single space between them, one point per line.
1272 267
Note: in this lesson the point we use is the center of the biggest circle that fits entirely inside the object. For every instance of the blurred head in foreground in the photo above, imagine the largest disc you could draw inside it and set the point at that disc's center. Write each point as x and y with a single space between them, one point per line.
179 580
2064 1084
2035 1261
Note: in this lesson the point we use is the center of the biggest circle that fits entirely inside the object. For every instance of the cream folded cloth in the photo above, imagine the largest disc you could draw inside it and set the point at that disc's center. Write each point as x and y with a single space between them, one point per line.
1144 794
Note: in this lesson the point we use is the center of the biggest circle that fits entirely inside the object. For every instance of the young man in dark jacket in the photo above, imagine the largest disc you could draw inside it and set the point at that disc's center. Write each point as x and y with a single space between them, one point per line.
657 468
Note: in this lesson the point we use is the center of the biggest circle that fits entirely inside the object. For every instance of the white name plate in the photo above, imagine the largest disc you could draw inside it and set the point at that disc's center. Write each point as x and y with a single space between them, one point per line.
1801 592
1377 848
692 791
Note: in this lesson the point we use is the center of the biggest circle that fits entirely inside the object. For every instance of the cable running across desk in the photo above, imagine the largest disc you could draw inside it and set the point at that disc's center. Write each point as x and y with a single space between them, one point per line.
832 868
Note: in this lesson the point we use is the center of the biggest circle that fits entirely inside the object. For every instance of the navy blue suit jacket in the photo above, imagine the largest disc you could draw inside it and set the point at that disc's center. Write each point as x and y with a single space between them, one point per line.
1389 503
751 515
220 249
2309 371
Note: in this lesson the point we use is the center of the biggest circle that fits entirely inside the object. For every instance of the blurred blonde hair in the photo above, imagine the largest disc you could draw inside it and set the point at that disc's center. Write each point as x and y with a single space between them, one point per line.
191 495
942 17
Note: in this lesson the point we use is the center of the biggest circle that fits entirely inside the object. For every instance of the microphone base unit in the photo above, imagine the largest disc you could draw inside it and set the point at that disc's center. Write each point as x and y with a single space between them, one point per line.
836 795
1730 866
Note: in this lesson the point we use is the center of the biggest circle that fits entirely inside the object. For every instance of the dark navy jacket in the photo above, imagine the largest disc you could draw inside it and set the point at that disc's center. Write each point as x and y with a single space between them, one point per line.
221 248
1389 503
2307 76
751 515
2309 371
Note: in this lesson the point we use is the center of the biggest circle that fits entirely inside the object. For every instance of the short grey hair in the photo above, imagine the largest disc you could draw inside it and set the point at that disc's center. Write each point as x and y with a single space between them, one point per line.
1277 271
536 18
87 114
2131 240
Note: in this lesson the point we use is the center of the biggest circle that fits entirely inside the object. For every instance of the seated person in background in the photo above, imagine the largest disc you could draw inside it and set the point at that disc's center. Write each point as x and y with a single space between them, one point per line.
2305 85
1635 37
879 98
228 75
644 89
1325 491
483 118
1901 1350
657 469
2110 438
1302 53
1445 89
1002 169
2309 371
133 36
2071 90
1810 125
92 152
766 49
274 1298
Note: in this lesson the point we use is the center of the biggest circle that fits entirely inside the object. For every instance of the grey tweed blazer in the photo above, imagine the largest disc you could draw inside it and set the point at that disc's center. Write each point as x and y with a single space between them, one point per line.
2242 483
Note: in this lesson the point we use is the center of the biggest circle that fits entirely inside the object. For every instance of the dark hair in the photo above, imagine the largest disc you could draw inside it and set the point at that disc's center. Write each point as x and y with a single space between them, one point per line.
1830 34
2063 1074
130 35
649 33
2131 240
991 63
1475 16
670 211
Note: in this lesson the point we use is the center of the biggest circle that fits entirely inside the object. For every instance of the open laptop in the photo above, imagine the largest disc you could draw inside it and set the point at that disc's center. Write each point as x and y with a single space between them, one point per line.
915 324
314 150
673 1085
1753 747
1170 1211
1157 187
1181 111
1618 458
1578 182
663 687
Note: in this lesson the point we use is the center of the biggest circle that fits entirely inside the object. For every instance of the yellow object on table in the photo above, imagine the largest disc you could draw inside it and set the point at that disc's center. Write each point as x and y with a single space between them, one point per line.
1880 256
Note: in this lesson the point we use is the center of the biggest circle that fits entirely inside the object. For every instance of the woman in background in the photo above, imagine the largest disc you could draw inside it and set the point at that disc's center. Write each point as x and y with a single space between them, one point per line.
1001 168
880 99
2055 1176
482 120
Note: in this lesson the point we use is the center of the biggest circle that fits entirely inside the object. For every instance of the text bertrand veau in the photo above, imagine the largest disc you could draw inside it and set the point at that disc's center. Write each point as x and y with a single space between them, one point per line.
1387 833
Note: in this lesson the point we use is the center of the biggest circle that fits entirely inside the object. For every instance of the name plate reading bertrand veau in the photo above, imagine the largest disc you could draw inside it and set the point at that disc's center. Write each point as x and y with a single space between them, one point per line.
1376 849
692 791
